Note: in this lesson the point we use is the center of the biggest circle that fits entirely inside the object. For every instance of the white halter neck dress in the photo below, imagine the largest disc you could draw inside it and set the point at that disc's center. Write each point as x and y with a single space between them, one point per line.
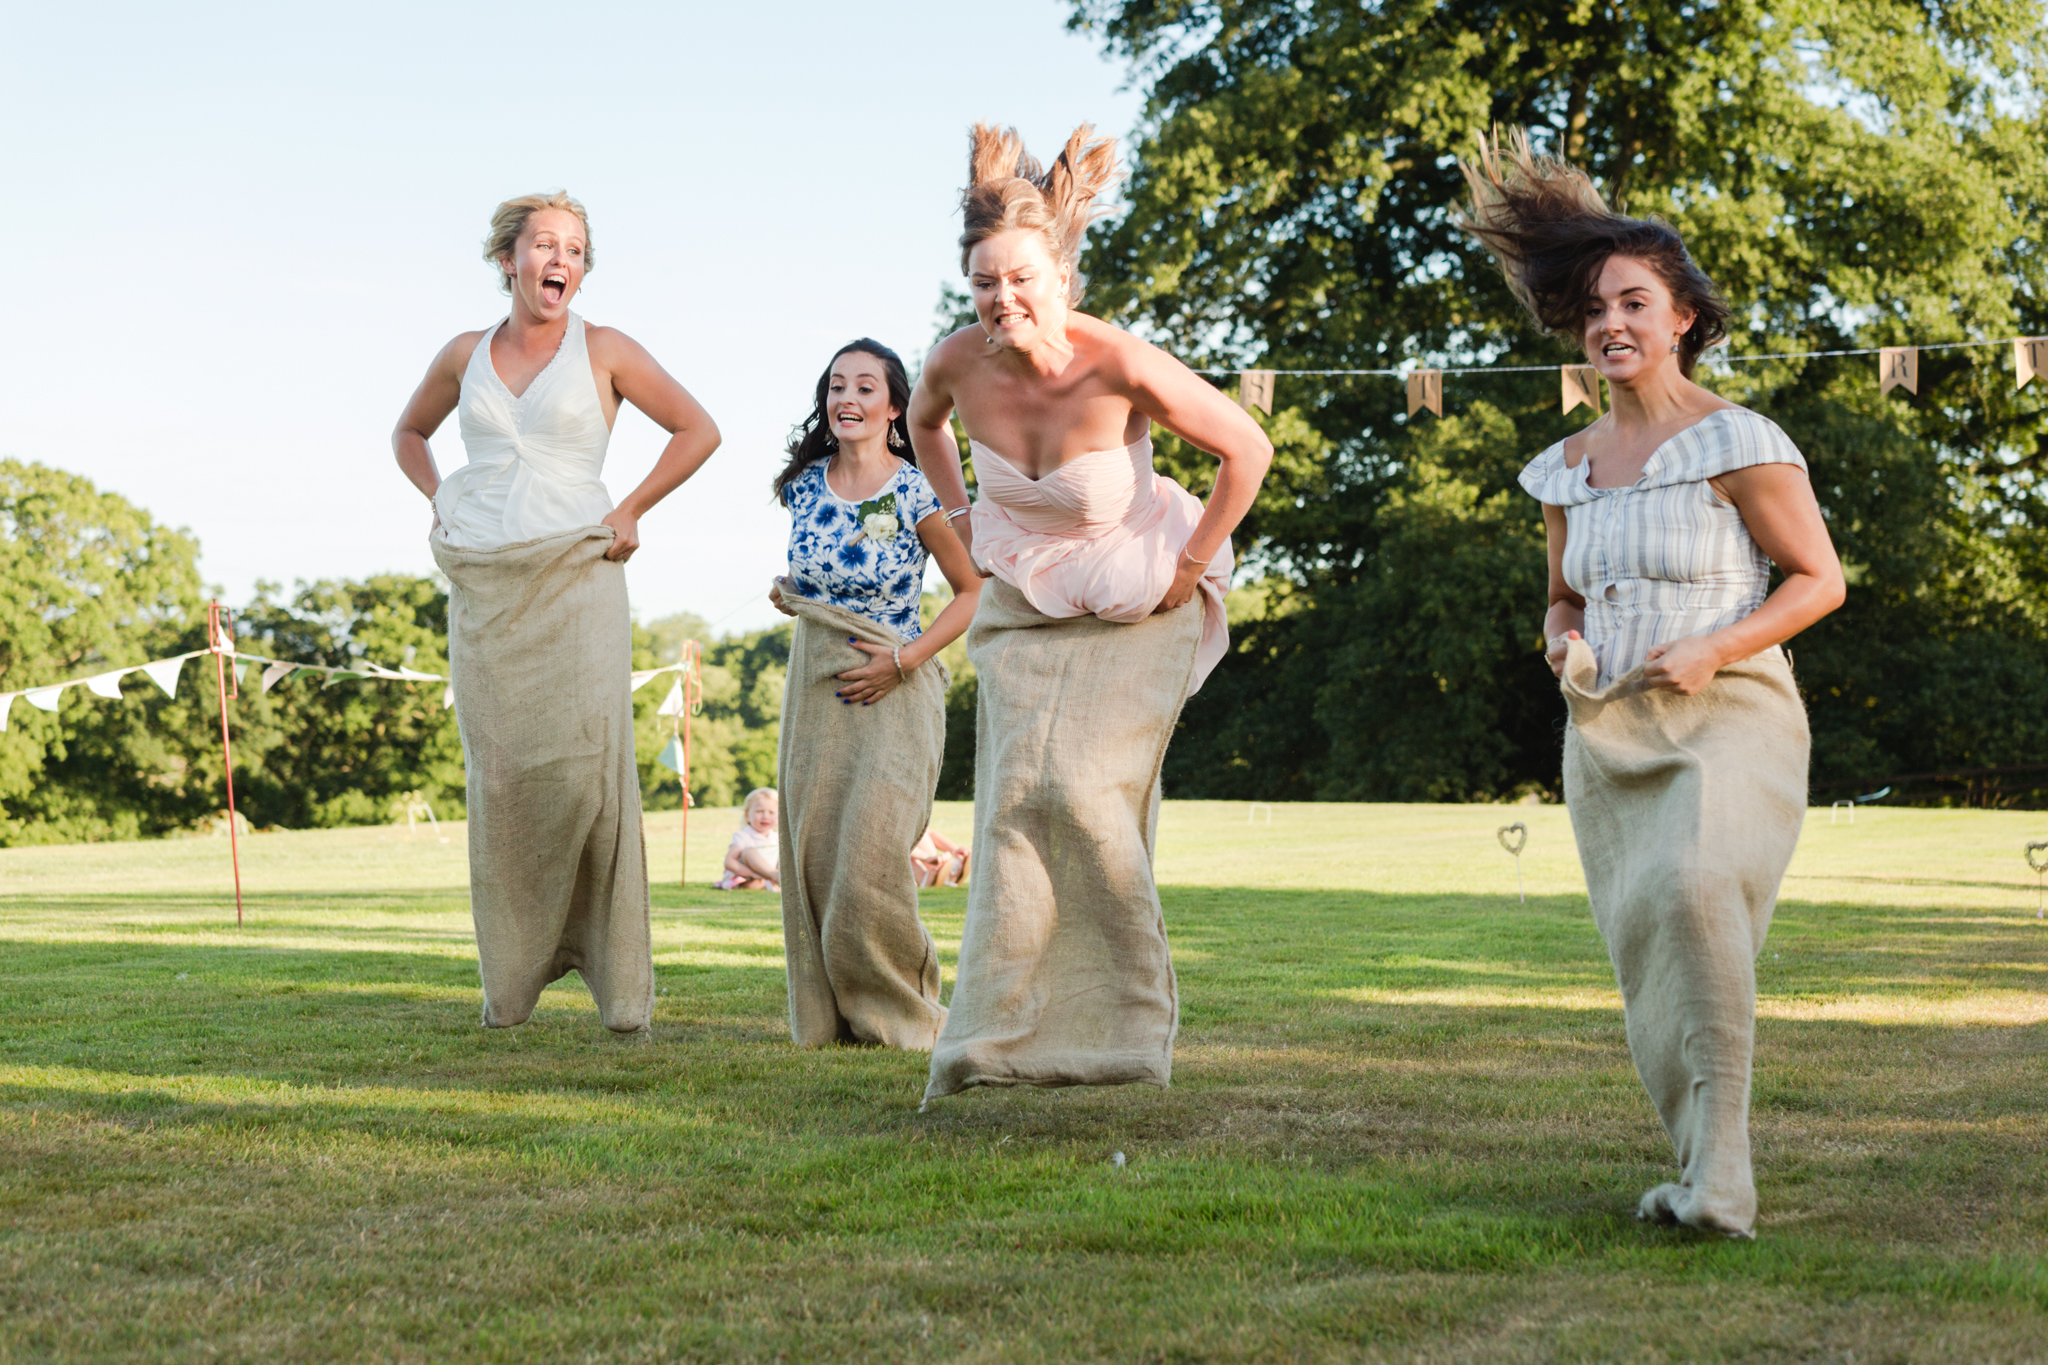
534 459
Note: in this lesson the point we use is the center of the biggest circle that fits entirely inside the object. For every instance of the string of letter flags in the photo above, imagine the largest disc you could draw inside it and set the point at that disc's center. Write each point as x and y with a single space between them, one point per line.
1898 367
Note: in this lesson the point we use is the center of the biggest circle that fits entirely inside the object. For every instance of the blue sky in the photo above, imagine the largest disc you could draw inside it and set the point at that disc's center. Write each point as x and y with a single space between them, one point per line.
243 231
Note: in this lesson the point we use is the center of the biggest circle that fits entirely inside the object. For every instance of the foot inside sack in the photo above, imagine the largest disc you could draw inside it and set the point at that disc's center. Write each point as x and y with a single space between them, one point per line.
1671 1204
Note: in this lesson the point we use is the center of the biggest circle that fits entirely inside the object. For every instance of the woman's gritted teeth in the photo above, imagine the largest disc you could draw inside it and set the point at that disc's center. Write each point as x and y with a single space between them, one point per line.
1617 348
1012 318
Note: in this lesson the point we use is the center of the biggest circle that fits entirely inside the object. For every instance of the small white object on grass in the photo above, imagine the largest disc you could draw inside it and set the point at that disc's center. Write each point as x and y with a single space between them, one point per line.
1117 1160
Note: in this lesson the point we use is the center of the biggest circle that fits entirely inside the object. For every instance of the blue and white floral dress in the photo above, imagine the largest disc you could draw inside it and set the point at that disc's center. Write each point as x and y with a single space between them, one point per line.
865 557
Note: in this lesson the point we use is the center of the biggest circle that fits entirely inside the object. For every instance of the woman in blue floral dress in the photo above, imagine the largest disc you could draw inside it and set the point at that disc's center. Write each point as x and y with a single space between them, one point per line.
864 708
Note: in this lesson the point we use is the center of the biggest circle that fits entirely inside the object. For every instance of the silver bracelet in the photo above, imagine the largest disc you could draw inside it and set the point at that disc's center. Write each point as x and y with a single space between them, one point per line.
958 512
896 653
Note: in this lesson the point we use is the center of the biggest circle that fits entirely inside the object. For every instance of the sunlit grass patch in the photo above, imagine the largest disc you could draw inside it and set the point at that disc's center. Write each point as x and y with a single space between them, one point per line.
1403 1123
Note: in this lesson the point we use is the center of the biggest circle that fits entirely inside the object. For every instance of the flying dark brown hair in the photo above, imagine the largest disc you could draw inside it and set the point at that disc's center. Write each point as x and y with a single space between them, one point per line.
1551 232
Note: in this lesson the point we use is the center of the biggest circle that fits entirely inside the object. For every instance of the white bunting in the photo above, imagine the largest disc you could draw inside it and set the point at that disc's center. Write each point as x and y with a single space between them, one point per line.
46 697
416 675
672 756
1579 384
6 705
276 674
672 705
164 673
107 685
2030 357
448 696
1898 367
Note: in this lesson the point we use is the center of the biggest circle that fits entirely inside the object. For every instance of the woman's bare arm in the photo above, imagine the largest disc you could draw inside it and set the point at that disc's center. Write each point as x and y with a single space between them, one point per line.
1178 399
693 436
874 680
932 439
1566 618
1777 504
428 407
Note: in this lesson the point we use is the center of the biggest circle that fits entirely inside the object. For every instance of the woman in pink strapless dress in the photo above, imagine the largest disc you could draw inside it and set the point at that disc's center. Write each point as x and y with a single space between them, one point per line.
1105 613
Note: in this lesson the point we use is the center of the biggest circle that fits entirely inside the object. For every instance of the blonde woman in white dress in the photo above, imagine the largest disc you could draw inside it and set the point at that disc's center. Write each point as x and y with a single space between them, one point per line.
1686 753
540 636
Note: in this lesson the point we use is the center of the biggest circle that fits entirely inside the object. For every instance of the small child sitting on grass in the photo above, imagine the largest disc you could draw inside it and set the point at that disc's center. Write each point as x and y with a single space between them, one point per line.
938 861
753 860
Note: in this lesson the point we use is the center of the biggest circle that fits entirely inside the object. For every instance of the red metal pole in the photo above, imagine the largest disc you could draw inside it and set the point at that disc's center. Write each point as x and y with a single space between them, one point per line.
216 641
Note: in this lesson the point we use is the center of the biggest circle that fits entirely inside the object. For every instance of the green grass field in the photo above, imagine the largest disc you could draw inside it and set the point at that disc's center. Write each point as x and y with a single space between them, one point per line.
1403 1124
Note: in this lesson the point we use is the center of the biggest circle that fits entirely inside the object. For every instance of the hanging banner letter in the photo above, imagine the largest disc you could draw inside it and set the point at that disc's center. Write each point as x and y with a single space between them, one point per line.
1898 366
1426 390
1255 390
2030 357
1579 384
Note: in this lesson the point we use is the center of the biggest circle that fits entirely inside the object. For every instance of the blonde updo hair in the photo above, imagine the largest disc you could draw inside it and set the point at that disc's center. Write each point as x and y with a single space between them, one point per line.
1007 189
510 220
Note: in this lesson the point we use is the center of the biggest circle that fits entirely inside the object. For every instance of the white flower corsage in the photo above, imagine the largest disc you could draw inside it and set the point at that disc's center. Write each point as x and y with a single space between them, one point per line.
877 521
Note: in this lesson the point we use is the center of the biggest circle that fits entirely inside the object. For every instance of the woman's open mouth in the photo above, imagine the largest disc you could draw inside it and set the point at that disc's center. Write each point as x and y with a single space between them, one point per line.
553 287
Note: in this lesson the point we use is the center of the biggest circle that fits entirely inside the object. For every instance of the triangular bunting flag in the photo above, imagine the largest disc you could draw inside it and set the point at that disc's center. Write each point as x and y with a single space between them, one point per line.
1255 390
448 696
1579 384
417 676
336 675
6 705
107 685
1426 390
646 676
1898 367
276 674
164 673
672 757
47 698
2030 357
672 705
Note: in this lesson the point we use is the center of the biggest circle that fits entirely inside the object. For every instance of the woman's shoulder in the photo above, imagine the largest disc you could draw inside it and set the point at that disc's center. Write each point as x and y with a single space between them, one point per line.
456 355
1547 478
1725 440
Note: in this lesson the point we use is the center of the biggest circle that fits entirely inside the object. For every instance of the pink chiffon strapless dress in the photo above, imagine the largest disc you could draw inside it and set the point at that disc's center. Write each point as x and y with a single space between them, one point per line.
1102 535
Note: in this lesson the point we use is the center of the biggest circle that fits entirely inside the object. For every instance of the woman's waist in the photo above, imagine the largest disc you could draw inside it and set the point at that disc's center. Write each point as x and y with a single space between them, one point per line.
1147 508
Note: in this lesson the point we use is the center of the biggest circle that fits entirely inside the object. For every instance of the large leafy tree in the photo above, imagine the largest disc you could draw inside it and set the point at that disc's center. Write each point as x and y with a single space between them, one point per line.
1852 175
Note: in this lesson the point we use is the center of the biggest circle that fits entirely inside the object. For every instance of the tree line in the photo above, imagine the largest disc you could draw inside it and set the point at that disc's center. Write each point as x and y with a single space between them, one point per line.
1851 176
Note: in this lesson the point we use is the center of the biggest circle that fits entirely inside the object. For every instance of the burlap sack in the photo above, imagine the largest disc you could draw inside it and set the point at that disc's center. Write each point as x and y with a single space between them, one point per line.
1064 973
1686 811
540 650
856 785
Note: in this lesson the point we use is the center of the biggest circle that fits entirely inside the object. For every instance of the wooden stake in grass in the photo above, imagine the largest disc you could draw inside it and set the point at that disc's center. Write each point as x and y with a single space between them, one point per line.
1514 845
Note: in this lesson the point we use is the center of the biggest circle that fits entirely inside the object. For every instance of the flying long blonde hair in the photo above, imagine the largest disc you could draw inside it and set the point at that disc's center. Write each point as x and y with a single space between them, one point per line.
1008 189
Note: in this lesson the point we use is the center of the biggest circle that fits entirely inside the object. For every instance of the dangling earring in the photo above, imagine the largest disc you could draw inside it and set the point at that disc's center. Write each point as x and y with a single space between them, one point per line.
1674 348
895 438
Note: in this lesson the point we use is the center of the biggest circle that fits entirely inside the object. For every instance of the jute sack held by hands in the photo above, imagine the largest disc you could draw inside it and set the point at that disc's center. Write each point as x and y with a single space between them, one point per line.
856 785
540 650
1687 811
1064 973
